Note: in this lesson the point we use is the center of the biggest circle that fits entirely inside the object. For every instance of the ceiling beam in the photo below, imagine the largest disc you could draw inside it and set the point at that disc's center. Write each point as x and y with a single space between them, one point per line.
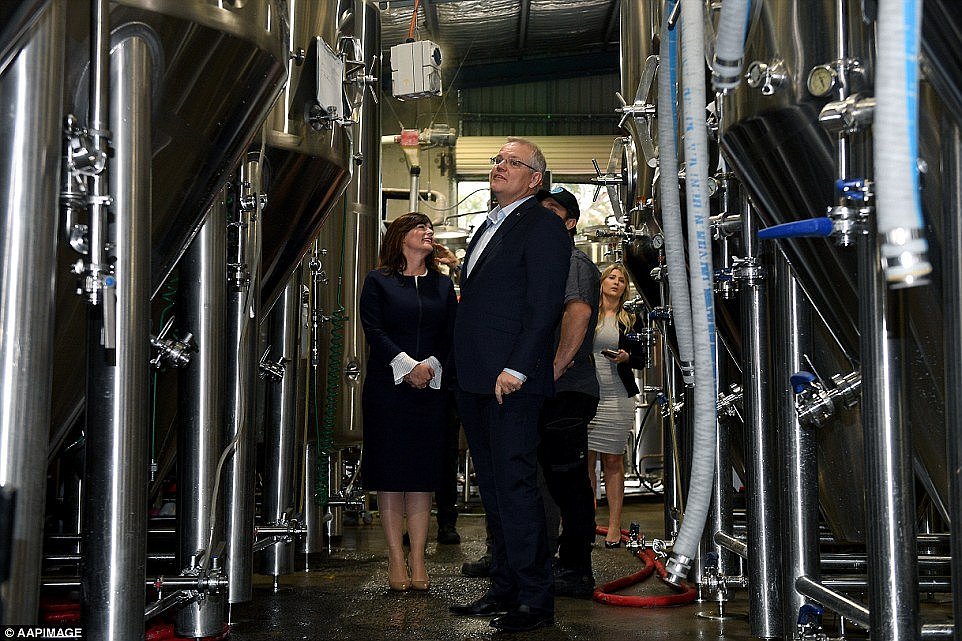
431 18
523 24
593 63
613 20
401 4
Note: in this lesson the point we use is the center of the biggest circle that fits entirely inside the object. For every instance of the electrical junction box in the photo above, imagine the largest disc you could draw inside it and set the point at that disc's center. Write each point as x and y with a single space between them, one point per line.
415 70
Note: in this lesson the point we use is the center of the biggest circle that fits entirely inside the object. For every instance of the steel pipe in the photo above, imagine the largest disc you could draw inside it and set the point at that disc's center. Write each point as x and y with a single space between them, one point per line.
860 562
797 448
115 483
30 134
764 563
720 511
732 544
99 120
313 515
217 582
938 631
77 558
201 311
889 482
241 388
833 600
952 275
857 612
858 583
178 598
278 493
671 473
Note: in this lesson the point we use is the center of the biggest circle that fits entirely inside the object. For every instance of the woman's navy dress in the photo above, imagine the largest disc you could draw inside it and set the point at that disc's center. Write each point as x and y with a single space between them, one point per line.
403 426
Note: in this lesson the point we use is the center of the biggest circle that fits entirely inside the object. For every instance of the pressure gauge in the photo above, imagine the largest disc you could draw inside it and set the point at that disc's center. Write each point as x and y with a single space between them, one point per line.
822 80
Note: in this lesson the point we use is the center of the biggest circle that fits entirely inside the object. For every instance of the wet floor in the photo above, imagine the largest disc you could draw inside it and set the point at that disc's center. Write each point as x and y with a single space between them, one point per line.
344 595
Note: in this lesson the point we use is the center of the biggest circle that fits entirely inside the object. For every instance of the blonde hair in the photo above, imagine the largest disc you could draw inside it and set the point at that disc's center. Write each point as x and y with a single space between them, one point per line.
626 319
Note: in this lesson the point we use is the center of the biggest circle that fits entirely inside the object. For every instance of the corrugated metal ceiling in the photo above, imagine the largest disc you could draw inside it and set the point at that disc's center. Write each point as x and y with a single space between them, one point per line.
479 33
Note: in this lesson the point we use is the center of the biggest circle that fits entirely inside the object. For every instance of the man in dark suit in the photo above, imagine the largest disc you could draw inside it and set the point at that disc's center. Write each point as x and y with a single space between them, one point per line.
512 291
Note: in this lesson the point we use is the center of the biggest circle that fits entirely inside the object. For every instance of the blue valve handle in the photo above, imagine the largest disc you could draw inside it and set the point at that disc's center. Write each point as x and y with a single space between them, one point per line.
798 229
851 188
801 380
711 560
810 613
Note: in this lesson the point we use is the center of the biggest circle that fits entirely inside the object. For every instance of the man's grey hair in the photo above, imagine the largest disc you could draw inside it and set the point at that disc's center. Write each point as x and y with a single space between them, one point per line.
537 158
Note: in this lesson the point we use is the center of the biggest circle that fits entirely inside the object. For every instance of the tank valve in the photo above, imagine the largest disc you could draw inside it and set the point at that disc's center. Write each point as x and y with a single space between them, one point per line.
635 540
723 283
847 116
171 351
715 583
809 624
769 77
730 404
815 401
272 371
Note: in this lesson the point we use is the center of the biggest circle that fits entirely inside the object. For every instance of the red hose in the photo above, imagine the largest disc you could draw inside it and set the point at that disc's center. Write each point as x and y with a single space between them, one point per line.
605 592
69 612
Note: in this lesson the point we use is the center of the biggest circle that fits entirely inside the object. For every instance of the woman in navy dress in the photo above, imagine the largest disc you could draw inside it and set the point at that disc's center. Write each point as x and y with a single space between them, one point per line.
407 310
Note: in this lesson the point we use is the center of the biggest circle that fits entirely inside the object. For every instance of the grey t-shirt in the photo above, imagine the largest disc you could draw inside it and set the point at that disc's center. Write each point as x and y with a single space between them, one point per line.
584 284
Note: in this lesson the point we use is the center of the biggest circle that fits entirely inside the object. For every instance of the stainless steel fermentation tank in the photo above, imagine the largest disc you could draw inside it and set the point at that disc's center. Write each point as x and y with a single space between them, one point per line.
191 80
323 180
789 163
783 155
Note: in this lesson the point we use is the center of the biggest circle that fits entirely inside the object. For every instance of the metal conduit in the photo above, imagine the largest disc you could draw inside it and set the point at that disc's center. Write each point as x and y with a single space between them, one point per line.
890 541
857 612
732 544
952 274
858 583
115 501
77 558
30 89
200 443
764 563
241 390
278 492
797 451
840 603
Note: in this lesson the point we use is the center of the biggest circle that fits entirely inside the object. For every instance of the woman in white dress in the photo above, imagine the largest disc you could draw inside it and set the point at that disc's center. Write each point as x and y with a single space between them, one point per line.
609 430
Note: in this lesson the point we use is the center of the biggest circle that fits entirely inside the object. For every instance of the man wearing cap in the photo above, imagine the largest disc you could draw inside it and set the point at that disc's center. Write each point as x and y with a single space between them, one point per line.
563 425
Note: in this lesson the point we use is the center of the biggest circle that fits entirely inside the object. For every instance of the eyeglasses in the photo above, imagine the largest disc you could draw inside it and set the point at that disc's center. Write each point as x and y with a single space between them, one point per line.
513 162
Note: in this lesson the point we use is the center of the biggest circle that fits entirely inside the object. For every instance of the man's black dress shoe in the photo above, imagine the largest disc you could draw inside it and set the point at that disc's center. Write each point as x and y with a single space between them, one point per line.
483 607
522 619
574 584
448 535
477 569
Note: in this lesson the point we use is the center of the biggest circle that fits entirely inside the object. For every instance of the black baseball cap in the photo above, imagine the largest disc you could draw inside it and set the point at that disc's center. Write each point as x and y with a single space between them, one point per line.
564 198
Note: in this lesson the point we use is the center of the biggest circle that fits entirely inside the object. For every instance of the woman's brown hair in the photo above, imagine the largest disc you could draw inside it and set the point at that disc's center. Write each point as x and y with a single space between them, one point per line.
391 259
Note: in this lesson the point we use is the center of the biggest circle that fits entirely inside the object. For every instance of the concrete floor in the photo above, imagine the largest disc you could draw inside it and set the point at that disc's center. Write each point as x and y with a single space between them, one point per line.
344 595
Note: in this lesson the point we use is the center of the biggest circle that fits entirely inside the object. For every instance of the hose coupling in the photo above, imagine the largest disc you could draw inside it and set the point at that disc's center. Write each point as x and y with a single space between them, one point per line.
677 567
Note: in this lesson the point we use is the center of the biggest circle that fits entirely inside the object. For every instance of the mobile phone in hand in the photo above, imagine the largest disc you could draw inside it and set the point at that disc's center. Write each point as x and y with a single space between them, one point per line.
610 353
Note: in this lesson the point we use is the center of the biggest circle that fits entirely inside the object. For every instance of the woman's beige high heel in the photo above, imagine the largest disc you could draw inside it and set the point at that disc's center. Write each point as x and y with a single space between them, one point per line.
398 585
420 585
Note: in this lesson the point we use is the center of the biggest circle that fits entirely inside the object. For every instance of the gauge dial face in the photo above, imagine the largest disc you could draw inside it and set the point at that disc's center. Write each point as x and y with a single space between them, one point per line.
821 81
